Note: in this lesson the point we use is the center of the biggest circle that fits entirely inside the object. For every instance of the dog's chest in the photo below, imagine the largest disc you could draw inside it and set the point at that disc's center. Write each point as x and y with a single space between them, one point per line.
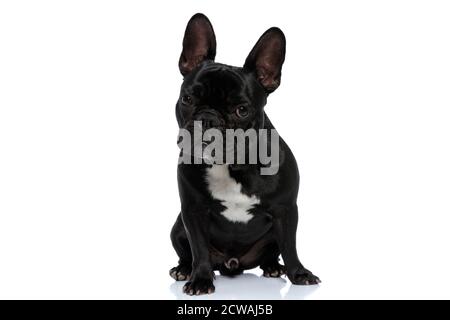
229 192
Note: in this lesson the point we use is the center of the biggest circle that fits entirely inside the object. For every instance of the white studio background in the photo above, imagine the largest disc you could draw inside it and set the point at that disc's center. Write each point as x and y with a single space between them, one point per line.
88 152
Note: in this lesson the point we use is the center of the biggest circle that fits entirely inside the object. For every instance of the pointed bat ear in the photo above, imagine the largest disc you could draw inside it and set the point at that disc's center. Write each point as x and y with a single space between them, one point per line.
266 59
199 43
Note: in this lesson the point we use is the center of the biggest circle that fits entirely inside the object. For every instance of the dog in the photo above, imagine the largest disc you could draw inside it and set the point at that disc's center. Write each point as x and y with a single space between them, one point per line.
232 217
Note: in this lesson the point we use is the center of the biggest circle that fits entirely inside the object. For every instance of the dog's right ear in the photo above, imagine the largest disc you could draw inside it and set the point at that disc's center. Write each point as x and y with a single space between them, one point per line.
199 43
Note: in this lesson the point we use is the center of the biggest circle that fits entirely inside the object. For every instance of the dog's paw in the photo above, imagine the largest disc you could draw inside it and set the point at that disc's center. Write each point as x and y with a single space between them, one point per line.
273 271
198 287
181 272
304 277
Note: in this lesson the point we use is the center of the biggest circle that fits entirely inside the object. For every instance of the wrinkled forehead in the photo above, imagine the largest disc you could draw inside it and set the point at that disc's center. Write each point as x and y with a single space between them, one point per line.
220 81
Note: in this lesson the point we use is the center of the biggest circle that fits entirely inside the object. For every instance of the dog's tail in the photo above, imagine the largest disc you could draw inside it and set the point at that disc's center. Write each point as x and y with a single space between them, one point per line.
232 264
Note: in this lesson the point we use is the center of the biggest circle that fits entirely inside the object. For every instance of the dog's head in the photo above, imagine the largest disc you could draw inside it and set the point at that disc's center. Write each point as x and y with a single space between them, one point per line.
223 96
216 99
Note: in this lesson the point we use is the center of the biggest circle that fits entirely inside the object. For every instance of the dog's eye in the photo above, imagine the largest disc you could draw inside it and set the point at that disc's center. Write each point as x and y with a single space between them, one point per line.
242 111
186 99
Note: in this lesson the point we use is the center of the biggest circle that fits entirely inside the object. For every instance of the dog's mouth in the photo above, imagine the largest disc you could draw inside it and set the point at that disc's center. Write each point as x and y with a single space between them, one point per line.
209 151
229 146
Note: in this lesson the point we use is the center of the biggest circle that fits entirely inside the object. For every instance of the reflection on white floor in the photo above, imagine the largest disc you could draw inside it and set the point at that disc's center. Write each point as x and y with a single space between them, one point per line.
249 286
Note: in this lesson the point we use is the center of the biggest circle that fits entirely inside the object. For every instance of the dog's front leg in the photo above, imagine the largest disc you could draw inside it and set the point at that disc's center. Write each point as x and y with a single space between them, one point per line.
285 227
196 222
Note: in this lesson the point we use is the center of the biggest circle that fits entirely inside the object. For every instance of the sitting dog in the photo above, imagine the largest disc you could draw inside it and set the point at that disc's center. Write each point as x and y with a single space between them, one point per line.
233 218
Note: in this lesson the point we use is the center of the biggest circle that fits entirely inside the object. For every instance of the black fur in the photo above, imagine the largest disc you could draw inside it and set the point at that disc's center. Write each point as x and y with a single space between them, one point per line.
202 237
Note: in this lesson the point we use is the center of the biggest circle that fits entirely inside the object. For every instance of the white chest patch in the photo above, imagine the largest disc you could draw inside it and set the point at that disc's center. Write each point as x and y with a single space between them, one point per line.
224 188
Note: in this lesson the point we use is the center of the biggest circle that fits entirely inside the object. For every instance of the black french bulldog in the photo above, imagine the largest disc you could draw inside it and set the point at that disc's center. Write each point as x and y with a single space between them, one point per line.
232 217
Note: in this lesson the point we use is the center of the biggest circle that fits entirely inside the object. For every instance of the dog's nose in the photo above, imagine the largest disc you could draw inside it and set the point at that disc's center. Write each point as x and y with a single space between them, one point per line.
209 119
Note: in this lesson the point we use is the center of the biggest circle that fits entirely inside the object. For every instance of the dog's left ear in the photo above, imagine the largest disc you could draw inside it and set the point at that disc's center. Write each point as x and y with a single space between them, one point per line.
199 43
266 59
